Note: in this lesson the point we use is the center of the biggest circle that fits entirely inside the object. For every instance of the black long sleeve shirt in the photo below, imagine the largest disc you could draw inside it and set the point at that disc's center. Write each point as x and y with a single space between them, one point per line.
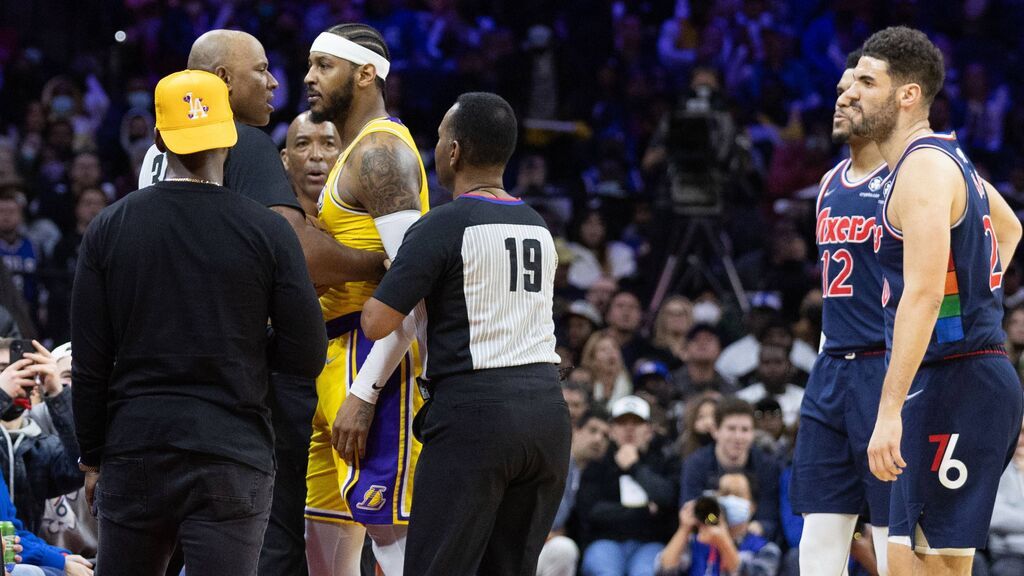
173 290
599 500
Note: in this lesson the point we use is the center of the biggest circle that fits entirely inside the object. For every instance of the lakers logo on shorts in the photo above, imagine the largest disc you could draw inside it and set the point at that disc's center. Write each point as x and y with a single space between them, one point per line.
373 498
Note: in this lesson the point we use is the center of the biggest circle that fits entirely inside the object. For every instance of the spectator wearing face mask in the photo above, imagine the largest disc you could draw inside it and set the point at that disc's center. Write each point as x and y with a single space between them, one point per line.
713 547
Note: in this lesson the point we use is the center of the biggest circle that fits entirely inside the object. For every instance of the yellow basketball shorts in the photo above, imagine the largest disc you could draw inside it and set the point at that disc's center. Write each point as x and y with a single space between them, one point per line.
376 489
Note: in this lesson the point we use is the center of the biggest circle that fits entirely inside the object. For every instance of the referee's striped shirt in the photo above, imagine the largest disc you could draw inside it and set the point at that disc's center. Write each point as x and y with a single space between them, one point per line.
486 269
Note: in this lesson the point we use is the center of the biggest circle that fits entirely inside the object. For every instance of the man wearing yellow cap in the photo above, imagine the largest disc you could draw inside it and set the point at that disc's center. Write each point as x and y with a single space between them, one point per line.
174 287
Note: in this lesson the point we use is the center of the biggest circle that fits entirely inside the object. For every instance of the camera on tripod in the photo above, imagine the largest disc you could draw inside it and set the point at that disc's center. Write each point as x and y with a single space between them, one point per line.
699 146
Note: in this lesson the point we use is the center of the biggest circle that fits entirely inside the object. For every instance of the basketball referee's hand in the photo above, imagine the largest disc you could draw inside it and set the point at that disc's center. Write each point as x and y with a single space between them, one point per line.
351 425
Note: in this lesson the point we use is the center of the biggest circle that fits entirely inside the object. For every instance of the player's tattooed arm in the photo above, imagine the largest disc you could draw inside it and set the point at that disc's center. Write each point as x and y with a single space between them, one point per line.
388 175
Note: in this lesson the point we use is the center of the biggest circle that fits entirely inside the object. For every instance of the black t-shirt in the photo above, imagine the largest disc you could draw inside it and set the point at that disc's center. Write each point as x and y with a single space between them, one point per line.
486 269
253 168
174 286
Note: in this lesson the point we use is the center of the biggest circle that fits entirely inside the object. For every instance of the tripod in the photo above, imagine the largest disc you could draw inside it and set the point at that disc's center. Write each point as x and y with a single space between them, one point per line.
692 238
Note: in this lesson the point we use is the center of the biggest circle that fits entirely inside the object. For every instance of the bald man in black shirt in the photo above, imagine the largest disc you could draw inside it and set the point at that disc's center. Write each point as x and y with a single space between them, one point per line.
253 169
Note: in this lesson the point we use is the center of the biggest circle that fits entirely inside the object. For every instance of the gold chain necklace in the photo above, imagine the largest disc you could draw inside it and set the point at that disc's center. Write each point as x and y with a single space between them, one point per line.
193 180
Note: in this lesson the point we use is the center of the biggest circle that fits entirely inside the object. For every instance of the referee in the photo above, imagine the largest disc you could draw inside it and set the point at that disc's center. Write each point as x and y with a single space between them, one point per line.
496 438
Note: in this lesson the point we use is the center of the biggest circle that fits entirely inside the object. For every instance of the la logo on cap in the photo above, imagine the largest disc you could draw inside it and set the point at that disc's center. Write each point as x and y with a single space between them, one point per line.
196 108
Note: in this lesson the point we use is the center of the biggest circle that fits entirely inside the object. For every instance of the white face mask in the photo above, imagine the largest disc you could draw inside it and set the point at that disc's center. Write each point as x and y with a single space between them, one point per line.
736 509
706 313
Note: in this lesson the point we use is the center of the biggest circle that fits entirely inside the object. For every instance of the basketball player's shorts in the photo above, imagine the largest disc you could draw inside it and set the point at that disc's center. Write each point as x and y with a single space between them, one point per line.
961 420
376 489
830 465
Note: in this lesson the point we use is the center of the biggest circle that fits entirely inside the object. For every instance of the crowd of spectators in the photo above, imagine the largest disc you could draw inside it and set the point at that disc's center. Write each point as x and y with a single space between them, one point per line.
697 386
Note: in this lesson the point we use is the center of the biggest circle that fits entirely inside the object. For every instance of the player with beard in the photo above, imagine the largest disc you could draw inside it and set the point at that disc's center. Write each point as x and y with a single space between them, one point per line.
948 384
831 480
362 455
310 151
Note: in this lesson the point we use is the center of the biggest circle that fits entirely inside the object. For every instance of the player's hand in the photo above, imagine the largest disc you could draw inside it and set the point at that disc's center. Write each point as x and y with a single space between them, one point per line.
351 425
46 368
627 456
884 456
17 378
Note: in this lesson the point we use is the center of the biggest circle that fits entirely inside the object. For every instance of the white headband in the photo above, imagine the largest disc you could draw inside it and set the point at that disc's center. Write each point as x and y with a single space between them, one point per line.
348 50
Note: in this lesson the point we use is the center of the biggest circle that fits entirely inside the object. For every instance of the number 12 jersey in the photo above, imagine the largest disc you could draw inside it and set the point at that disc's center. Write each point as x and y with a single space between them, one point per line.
851 279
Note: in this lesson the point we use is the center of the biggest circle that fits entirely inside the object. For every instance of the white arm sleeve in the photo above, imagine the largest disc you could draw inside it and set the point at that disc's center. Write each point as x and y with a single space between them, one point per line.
389 351
392 227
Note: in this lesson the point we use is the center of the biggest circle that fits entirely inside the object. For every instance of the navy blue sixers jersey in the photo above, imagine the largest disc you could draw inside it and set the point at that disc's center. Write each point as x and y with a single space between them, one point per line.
971 315
851 279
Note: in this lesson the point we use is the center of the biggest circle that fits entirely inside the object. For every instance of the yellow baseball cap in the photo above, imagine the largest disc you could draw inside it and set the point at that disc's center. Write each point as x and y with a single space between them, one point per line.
193 112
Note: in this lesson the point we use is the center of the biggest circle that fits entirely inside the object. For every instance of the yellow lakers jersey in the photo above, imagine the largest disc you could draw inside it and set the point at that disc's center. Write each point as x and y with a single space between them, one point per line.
354 226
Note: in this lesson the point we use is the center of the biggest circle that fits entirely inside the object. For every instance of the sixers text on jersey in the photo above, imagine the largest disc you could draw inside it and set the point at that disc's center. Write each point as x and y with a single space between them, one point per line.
845 236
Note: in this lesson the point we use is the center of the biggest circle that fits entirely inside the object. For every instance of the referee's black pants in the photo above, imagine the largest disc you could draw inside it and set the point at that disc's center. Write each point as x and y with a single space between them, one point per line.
491 475
292 403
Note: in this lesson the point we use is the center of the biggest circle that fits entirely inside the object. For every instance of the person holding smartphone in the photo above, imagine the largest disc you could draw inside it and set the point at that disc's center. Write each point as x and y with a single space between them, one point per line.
36 464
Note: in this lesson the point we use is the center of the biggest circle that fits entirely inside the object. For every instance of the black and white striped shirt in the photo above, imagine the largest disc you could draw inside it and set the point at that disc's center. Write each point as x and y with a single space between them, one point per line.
486 269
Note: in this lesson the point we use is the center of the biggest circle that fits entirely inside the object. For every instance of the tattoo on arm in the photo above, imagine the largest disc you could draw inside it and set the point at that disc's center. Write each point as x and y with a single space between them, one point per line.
388 177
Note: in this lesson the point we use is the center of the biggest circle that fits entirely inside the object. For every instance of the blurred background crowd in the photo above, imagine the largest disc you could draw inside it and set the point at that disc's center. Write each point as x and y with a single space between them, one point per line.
688 132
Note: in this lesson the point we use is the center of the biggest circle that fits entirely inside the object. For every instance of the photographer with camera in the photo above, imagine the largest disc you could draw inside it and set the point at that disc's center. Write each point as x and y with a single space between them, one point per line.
714 537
